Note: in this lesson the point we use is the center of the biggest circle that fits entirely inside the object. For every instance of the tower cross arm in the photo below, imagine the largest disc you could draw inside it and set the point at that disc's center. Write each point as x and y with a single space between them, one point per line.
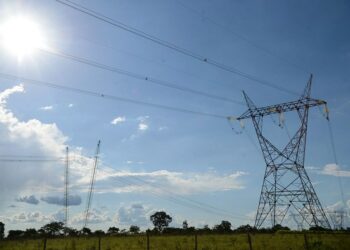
253 112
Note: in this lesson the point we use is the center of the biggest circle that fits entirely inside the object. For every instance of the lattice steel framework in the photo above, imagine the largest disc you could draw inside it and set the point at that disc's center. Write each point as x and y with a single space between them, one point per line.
286 186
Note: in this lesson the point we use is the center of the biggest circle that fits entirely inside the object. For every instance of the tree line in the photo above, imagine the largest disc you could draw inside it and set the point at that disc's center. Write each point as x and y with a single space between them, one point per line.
161 221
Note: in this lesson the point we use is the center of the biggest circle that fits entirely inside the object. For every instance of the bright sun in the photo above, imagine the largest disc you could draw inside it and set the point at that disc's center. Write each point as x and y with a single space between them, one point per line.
21 35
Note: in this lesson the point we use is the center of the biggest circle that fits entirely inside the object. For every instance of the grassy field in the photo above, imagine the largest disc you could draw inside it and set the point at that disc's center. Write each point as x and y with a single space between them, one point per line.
288 241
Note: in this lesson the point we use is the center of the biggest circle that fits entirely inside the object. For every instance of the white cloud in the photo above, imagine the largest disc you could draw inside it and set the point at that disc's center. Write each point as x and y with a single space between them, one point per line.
32 137
118 120
162 128
163 181
70 105
339 213
73 200
95 216
135 214
29 217
143 126
334 170
28 199
46 108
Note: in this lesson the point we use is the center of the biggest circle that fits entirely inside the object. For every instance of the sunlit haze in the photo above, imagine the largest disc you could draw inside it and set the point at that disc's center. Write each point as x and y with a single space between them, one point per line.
21 36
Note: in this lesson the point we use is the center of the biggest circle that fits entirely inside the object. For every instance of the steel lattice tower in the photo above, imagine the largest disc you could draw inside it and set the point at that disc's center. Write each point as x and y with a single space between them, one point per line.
286 185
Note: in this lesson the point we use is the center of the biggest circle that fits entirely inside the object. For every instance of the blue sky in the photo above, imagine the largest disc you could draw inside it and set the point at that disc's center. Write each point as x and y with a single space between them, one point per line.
191 156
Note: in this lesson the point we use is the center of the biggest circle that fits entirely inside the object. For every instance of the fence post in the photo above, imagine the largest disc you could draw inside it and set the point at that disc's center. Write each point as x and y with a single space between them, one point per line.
99 242
147 241
306 242
250 242
45 243
195 242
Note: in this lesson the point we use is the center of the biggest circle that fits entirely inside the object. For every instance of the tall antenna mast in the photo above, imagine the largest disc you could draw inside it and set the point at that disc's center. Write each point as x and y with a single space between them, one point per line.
92 181
66 181
286 186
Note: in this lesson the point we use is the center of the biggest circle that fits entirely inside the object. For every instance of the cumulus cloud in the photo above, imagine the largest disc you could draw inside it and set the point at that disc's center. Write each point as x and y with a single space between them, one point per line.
339 213
143 125
135 214
334 170
28 199
161 128
28 217
46 108
37 138
184 183
73 200
34 138
118 120
95 216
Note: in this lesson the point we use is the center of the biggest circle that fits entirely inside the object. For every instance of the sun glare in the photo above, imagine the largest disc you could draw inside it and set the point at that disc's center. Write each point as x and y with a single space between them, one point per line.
21 36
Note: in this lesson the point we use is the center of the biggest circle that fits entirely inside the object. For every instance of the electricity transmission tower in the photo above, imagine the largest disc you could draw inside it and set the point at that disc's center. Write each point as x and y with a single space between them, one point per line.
92 181
298 220
66 182
286 186
337 218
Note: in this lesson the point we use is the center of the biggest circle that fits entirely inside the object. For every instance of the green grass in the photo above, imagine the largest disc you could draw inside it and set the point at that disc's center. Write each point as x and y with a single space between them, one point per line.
277 241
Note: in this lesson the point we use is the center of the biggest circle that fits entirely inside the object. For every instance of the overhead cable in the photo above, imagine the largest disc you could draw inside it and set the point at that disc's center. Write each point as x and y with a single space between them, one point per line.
107 96
171 46
137 76
242 37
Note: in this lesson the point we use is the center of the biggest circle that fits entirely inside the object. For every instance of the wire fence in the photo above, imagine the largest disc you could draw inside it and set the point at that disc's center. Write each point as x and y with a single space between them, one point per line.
242 241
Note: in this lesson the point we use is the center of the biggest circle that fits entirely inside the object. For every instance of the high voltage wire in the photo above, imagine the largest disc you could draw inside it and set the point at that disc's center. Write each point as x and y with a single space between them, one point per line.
172 46
107 96
137 76
330 129
236 34
154 61
183 201
180 196
30 160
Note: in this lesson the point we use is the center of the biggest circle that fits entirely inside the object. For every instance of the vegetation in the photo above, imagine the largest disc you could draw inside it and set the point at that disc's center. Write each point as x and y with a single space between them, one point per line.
227 241
55 236
2 230
160 220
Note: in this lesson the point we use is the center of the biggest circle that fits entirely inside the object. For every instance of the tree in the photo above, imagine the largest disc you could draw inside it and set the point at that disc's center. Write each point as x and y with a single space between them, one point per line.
134 229
53 229
99 233
15 234
71 231
184 225
113 230
245 229
85 231
160 220
279 227
2 230
30 233
224 226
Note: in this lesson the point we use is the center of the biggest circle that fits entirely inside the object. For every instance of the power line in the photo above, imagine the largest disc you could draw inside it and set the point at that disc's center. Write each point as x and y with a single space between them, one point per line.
66 185
244 38
182 201
107 96
331 136
161 187
30 160
92 182
154 61
172 46
137 76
